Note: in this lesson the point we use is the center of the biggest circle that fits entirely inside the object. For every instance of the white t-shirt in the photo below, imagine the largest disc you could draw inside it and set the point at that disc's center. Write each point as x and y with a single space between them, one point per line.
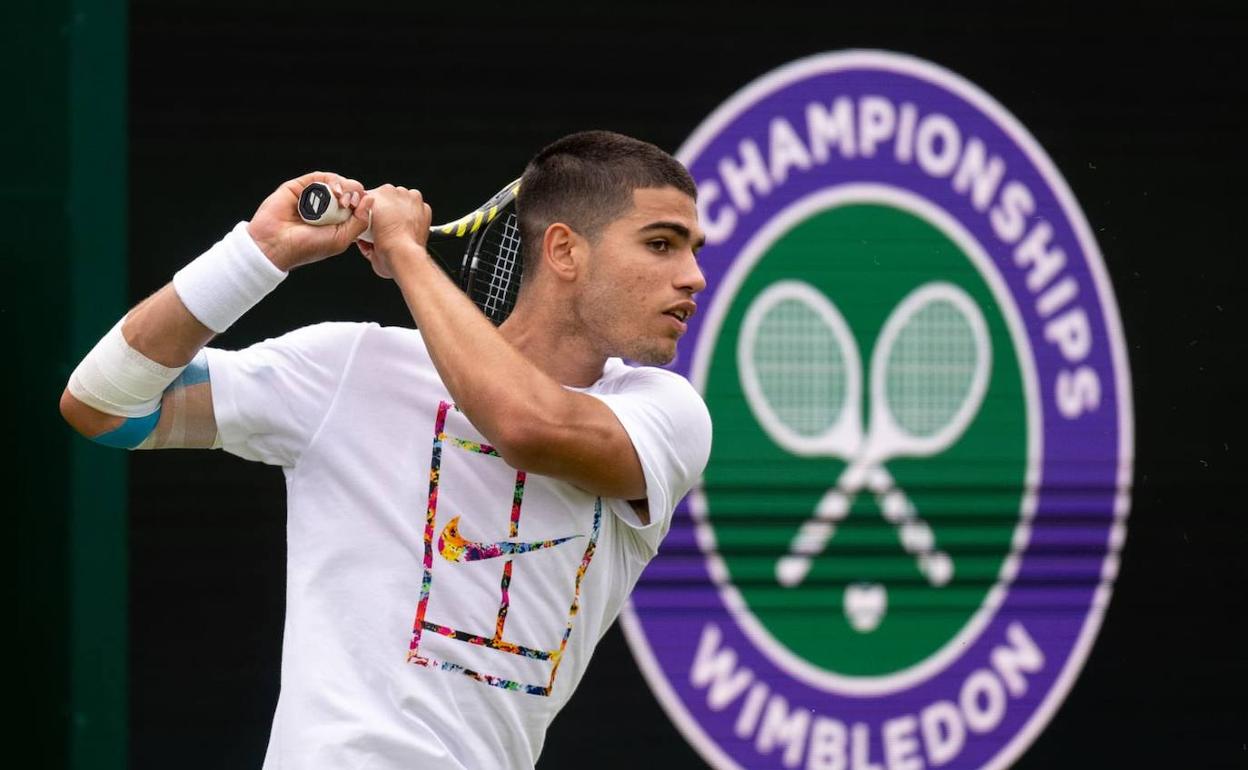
441 607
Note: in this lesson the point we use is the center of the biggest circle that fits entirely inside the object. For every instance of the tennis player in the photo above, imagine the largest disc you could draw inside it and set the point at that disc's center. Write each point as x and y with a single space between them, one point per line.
468 506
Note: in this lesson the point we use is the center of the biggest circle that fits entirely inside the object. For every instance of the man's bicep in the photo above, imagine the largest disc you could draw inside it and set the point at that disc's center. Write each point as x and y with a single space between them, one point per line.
648 443
580 441
610 464
185 418
669 434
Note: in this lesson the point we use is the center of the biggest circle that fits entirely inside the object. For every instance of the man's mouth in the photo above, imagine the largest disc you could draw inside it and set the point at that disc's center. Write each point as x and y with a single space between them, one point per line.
681 312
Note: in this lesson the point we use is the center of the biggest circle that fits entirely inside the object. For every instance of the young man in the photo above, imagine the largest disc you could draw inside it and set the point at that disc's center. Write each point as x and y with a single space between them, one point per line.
468 507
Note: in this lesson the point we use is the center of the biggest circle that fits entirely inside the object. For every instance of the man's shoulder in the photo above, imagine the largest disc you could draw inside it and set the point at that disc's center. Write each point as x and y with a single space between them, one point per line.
336 344
658 388
618 376
394 335
325 332
349 333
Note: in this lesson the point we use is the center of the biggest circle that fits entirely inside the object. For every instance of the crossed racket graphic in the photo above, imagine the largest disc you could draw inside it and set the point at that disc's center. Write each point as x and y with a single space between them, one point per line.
803 379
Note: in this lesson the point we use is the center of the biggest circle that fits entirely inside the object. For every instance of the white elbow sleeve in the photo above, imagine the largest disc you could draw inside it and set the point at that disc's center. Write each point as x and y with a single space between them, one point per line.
116 379
227 280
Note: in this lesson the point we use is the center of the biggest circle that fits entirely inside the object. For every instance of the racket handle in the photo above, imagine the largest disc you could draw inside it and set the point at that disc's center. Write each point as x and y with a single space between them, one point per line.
791 570
812 537
319 206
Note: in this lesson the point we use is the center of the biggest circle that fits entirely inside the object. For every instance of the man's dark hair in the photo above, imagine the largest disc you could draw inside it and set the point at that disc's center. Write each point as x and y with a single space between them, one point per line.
586 180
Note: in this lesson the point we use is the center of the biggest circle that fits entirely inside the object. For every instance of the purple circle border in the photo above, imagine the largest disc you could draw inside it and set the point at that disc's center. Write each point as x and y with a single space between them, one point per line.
1086 462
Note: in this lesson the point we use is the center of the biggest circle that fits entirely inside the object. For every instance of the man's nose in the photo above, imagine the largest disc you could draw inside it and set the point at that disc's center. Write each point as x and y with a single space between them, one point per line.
691 278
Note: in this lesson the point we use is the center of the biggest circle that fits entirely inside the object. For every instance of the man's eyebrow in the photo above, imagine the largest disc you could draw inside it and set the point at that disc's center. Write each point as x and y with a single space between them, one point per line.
677 228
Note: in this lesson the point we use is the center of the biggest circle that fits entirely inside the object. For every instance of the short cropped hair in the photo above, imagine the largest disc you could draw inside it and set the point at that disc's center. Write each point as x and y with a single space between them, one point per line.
586 180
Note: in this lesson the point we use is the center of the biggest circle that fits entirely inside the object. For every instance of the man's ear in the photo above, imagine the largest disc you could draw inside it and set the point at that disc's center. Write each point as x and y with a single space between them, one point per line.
563 251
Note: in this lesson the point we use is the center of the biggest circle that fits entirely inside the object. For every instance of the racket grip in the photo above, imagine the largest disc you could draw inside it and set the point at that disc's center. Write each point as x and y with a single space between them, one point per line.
319 206
812 537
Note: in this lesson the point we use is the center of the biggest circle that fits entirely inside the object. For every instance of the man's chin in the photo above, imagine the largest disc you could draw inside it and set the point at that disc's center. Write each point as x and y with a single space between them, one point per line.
653 356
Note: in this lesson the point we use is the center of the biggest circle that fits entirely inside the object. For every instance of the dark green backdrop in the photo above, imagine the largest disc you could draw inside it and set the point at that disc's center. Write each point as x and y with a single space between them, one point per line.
65 277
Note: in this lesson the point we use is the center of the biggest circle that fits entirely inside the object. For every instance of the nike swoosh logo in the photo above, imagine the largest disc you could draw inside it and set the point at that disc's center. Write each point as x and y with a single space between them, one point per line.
454 547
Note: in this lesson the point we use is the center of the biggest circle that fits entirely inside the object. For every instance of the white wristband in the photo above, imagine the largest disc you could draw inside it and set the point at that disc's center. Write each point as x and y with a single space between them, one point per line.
116 379
227 280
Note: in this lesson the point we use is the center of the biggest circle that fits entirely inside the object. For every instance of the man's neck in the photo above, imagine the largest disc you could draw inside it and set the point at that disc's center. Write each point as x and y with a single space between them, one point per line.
554 345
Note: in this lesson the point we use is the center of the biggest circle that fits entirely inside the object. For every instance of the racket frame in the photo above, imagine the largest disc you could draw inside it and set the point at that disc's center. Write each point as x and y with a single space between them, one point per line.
844 436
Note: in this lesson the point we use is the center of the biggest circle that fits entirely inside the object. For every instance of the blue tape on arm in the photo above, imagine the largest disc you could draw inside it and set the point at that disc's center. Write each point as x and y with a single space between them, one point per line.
130 433
196 372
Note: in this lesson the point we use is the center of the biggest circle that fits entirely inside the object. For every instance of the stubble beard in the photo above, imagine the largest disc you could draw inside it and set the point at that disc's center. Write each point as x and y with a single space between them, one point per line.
652 355
604 315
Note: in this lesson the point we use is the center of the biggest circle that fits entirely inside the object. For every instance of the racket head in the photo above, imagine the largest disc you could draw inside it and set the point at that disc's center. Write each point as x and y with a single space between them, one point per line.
929 372
801 371
493 264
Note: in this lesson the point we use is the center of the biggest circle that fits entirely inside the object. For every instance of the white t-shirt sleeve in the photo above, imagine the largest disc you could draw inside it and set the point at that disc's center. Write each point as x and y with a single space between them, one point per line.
670 428
270 399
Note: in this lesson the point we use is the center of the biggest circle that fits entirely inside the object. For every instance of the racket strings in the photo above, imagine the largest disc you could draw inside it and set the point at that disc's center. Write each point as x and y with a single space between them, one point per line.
800 367
931 368
496 268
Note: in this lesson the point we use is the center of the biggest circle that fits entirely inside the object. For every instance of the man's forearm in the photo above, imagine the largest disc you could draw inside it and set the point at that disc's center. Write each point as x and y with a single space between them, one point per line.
491 381
120 383
170 327
122 380
161 328
533 421
115 395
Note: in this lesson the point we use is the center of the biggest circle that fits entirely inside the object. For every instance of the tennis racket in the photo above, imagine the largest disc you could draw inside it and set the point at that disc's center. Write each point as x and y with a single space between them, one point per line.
489 271
801 373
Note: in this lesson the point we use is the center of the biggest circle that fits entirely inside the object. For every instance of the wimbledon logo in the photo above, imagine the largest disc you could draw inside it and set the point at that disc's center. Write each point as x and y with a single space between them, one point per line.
906 536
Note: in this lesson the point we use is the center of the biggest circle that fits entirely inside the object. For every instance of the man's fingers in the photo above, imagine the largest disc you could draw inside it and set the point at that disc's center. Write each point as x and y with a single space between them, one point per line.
354 227
349 200
340 184
329 178
395 208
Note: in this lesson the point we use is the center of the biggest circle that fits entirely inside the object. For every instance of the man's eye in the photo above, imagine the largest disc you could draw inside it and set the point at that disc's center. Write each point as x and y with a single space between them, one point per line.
660 244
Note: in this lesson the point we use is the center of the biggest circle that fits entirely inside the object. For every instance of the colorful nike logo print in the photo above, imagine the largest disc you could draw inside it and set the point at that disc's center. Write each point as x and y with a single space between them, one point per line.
454 547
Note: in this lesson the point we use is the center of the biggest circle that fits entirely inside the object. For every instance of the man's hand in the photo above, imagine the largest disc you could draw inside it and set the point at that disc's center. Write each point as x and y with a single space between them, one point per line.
401 221
288 241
